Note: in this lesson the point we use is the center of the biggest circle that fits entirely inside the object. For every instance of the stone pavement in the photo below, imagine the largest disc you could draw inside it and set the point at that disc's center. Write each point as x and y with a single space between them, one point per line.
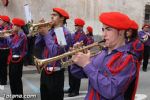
31 85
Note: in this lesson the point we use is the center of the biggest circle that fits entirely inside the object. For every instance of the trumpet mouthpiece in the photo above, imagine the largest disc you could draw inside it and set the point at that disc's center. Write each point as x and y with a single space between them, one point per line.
102 41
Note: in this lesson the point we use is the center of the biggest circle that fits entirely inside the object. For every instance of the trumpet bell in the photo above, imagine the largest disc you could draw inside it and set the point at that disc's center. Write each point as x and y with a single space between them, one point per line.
5 33
38 63
41 62
35 27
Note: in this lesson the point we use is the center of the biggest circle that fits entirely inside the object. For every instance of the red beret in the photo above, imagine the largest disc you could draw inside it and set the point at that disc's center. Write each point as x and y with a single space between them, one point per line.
5 18
61 12
115 19
18 22
134 25
90 29
79 22
146 25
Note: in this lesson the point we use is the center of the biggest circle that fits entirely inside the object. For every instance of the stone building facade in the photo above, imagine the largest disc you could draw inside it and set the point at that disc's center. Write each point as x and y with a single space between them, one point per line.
89 10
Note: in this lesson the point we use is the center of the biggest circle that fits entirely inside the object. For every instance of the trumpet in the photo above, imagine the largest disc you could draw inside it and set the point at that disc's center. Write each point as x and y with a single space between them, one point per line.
70 62
145 38
33 30
41 62
5 33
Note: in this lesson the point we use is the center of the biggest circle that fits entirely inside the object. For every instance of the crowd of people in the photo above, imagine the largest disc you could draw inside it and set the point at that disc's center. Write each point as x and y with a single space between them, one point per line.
113 73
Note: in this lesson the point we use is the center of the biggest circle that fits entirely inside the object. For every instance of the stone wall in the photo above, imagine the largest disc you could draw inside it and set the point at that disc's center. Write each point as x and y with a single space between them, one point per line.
86 9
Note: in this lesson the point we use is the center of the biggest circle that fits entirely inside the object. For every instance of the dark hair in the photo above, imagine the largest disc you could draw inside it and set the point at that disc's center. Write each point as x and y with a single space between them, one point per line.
145 26
133 35
64 21
90 34
25 29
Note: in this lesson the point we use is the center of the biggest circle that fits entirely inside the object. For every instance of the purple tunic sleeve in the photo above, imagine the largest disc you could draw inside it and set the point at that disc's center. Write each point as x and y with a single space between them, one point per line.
81 38
90 40
39 42
20 47
141 34
51 45
78 71
113 85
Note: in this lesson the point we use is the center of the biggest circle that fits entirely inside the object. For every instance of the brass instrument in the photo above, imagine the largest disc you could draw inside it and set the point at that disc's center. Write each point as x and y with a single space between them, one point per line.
70 62
34 27
145 38
41 62
5 33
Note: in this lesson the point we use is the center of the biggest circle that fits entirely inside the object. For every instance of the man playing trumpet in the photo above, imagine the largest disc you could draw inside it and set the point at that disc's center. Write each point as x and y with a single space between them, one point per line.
18 48
144 36
4 49
52 75
77 37
112 71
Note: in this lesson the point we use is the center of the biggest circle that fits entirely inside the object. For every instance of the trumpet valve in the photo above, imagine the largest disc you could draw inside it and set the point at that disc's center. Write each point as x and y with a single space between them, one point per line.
67 63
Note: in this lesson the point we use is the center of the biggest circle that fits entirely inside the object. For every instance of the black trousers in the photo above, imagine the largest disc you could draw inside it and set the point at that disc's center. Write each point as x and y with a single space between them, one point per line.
146 56
3 66
52 85
15 77
28 59
74 83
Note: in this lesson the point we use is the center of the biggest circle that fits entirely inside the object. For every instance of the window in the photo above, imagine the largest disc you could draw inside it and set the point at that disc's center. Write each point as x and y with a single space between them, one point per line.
147 14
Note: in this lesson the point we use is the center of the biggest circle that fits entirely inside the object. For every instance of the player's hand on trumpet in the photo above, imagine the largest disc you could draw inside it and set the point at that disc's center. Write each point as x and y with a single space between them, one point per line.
43 29
81 59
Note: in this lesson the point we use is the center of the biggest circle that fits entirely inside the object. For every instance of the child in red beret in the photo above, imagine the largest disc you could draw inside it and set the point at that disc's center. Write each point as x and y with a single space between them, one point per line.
18 48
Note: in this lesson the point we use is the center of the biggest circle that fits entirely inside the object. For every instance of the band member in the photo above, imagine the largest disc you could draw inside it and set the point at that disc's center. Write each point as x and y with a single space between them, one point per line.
78 36
28 59
144 36
37 52
136 48
18 48
111 72
4 49
89 35
132 39
5 22
52 75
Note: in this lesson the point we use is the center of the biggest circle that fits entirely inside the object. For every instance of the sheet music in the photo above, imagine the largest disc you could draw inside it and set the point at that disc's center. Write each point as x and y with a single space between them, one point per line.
60 36
27 12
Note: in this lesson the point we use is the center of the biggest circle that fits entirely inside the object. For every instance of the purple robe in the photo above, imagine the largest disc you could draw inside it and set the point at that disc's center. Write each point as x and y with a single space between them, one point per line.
3 41
141 34
48 43
109 86
89 40
136 48
18 44
79 36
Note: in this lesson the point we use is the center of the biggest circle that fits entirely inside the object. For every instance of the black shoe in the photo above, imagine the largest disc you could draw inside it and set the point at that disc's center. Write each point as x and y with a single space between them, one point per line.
145 70
67 91
73 94
3 83
25 64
